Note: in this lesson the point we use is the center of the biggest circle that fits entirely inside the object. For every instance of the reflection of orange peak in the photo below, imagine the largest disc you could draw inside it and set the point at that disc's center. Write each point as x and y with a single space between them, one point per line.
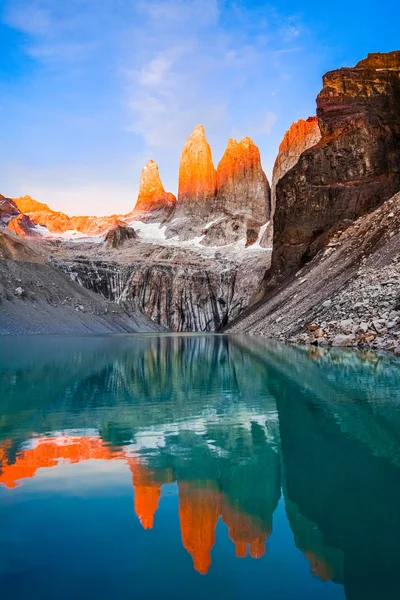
199 510
245 532
48 451
319 567
147 493
200 504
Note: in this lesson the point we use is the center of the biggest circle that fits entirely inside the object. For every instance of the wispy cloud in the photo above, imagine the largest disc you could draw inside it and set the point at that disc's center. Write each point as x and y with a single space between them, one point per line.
171 86
56 32
153 69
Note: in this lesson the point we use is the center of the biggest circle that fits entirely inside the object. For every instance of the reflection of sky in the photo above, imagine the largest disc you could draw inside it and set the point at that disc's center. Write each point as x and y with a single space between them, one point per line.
91 90
79 479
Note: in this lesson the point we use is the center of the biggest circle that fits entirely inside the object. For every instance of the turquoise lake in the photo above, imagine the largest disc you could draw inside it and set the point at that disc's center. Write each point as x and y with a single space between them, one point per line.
184 466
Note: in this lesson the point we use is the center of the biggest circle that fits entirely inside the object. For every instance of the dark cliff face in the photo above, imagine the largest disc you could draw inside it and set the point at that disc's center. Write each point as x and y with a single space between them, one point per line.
354 168
177 290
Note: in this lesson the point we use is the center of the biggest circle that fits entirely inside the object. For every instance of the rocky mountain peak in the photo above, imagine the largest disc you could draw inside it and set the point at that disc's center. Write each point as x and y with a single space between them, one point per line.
26 204
299 137
381 60
352 169
152 195
197 175
242 186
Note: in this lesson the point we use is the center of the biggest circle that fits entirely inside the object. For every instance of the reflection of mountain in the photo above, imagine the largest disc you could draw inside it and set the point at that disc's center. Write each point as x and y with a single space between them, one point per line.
341 482
201 504
233 421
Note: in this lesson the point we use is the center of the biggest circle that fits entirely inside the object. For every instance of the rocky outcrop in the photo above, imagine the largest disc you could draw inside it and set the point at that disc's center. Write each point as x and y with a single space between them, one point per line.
120 234
8 210
22 214
95 226
153 202
26 204
197 176
352 169
301 136
23 226
242 186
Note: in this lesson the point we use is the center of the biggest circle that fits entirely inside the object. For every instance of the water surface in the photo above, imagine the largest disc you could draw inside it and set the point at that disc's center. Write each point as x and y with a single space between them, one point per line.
197 467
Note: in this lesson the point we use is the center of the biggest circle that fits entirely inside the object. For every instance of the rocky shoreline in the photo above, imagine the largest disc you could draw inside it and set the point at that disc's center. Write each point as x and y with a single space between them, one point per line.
366 314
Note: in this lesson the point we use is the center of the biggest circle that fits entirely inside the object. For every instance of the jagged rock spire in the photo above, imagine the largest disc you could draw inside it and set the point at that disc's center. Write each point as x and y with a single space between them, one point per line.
197 176
152 195
242 186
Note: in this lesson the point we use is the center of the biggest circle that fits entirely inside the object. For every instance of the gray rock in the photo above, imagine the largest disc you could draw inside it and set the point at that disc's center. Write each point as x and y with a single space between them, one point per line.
343 340
363 327
19 291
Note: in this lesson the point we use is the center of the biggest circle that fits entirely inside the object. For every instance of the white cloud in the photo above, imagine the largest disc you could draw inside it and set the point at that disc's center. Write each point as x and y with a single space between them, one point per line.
167 65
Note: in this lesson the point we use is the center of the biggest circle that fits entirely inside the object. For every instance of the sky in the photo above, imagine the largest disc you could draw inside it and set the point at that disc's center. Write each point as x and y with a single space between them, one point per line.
90 90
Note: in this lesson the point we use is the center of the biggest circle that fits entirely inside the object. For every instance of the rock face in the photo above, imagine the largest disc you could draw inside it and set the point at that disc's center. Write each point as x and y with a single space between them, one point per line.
153 201
55 222
118 235
26 204
299 137
224 206
23 226
176 288
95 226
242 186
8 210
354 167
197 176
35 297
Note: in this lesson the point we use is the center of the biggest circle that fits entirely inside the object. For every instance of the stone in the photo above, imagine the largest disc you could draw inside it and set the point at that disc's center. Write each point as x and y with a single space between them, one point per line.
346 325
363 327
319 333
343 340
19 291
120 234
327 304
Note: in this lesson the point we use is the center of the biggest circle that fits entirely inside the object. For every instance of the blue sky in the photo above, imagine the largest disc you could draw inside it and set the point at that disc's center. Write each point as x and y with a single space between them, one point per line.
91 89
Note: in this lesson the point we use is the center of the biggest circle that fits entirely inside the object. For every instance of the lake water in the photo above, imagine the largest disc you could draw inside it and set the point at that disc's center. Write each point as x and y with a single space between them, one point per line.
197 467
